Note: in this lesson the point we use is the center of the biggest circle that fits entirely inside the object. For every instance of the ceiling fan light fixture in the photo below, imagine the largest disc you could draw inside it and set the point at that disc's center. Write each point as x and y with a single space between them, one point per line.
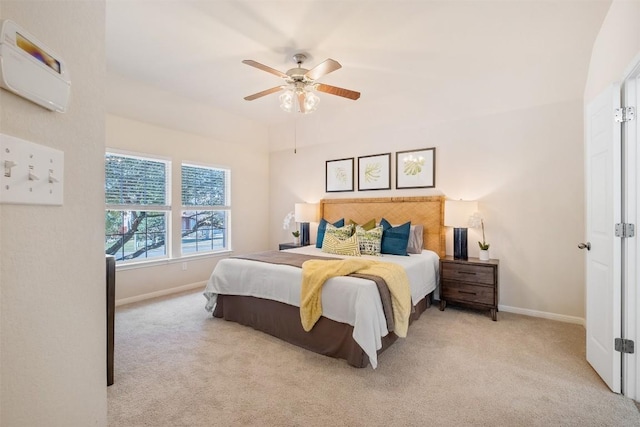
300 84
287 100
311 101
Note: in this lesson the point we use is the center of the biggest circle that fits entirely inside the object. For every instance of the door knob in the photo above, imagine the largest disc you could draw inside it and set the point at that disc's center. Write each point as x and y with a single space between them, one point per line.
585 245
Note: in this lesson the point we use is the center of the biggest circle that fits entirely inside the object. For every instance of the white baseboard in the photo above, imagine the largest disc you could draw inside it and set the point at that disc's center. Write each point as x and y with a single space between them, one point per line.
161 293
543 314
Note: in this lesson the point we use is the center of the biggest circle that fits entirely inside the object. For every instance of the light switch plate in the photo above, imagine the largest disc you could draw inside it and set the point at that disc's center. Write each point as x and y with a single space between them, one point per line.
30 173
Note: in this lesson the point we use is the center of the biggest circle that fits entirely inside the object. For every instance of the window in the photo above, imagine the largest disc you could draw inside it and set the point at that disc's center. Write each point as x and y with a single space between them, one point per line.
137 210
205 209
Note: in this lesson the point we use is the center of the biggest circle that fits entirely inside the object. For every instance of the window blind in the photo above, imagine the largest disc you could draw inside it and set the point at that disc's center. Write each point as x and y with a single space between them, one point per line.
204 186
135 181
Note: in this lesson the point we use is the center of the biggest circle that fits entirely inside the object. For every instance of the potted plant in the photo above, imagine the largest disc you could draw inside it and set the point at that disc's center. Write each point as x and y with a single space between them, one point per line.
286 225
484 246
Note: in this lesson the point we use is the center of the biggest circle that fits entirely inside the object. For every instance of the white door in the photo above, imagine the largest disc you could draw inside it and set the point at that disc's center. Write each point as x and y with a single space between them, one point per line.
603 211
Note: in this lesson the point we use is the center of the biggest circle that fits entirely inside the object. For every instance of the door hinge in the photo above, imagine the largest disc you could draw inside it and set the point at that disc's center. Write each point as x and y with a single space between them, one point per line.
625 114
624 346
625 230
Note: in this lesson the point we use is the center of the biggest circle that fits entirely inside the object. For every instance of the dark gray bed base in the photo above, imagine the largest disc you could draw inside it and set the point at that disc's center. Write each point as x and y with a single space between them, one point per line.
327 337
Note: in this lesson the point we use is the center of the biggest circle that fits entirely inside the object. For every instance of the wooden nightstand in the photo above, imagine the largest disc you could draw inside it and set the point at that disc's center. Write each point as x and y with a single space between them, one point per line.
471 282
282 246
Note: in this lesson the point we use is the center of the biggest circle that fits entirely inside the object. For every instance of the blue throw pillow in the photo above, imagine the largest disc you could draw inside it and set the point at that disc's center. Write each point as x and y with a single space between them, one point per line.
322 227
395 239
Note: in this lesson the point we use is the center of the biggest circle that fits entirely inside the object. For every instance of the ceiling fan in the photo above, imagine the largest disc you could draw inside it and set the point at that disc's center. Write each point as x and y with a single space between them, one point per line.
300 84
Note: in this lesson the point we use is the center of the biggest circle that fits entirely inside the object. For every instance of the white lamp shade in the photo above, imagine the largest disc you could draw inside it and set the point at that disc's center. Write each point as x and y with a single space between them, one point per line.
306 212
458 212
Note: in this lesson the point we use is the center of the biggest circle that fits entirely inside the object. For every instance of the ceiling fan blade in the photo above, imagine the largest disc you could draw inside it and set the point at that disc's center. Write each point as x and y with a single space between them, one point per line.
322 69
301 96
265 68
333 90
263 93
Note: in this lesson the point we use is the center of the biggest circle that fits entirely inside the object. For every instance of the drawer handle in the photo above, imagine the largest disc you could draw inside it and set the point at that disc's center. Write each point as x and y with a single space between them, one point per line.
467 292
467 272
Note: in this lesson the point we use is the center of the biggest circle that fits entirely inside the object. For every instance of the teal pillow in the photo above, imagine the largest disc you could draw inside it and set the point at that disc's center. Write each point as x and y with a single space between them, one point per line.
395 239
321 229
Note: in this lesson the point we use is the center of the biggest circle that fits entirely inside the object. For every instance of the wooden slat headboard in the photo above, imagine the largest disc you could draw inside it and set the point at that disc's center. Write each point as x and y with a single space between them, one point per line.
428 211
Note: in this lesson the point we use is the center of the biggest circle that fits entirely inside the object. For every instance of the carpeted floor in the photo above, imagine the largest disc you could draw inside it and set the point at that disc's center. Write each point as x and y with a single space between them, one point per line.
175 365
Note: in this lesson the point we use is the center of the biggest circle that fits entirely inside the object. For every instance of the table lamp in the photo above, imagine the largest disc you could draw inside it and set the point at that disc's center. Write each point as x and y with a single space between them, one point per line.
305 213
456 215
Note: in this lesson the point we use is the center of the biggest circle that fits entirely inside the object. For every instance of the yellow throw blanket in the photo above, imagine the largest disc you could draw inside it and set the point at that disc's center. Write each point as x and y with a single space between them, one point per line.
316 272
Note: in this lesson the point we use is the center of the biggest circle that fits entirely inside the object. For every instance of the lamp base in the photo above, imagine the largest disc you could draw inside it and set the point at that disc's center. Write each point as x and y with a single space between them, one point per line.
304 233
460 243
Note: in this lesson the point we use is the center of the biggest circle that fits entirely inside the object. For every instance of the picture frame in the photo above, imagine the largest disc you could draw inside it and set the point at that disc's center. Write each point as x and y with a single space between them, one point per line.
416 168
374 172
339 175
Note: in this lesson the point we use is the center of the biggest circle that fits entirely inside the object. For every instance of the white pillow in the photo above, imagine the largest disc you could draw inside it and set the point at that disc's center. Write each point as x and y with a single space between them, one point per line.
416 240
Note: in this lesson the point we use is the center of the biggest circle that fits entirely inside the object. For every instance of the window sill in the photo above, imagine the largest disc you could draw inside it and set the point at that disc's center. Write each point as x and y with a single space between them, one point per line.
168 261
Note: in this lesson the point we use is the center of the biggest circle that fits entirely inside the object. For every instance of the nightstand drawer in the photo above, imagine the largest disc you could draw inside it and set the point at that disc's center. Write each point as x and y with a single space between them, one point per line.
467 292
468 273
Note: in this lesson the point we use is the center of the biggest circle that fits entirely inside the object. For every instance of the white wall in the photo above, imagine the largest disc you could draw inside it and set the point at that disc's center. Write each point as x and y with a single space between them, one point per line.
249 164
52 268
525 167
616 46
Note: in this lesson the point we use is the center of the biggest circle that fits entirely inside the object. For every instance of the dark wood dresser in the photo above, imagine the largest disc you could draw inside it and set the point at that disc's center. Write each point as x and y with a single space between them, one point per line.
472 283
111 314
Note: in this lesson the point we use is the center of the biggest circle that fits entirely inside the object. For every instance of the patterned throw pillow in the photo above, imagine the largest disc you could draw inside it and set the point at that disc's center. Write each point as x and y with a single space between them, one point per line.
333 245
341 233
369 240
322 227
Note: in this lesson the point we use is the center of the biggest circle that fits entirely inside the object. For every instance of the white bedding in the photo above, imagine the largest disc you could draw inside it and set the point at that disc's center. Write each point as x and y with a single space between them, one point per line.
357 304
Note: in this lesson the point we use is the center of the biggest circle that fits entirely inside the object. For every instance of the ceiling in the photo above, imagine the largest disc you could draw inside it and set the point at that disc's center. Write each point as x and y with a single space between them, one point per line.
411 60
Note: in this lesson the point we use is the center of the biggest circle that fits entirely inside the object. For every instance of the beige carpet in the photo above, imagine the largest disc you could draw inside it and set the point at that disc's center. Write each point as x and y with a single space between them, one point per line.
175 365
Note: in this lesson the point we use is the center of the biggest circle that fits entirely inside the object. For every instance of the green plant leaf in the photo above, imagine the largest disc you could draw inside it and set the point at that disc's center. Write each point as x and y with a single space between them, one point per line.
413 166
372 172
341 175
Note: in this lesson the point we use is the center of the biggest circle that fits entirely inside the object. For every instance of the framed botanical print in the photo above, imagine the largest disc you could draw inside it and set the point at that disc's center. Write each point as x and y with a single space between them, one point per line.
339 175
374 172
416 168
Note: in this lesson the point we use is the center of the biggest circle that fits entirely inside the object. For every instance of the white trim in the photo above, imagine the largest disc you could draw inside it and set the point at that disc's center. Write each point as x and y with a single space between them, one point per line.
225 168
138 155
633 69
161 293
155 208
166 261
206 208
543 314
630 261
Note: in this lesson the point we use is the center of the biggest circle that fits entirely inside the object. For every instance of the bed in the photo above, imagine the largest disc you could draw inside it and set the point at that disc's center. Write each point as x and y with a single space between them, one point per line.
353 326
